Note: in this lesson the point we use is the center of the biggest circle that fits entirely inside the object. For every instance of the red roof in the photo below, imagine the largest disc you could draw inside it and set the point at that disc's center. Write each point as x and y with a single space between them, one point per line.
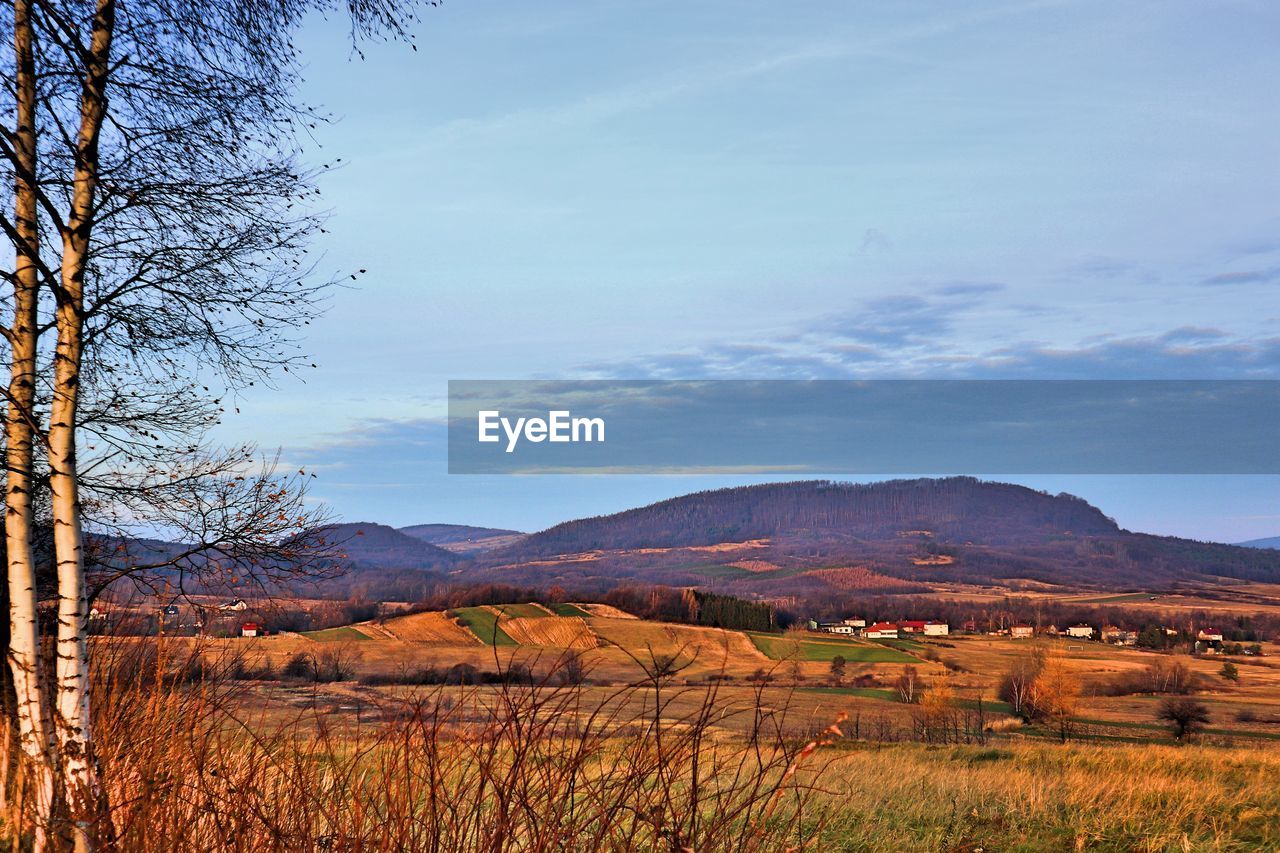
883 626
911 624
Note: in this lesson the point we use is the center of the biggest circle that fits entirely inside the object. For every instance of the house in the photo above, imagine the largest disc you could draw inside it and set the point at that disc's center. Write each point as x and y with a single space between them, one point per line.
237 604
97 613
936 629
970 626
911 627
1022 632
1209 635
856 623
251 629
835 628
881 631
1080 632
1110 634
1050 631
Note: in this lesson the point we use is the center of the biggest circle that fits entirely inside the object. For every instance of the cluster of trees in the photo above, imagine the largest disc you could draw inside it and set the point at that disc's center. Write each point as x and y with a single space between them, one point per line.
1041 688
727 611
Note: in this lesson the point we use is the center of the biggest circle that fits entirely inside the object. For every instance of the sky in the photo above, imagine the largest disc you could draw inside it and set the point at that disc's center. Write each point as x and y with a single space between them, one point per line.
753 190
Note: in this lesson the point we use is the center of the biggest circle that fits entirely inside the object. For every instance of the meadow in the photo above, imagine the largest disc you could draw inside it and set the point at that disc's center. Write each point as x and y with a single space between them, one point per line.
655 736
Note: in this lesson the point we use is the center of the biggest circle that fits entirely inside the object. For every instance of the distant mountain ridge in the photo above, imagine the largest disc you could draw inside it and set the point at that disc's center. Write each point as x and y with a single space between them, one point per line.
463 538
950 508
780 539
1268 542
368 545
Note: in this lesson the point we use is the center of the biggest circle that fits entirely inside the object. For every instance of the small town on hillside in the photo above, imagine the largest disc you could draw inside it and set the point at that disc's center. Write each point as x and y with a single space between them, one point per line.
1206 640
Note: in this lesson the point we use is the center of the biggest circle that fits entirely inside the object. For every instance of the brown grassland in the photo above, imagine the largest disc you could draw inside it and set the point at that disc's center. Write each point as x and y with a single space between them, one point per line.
661 737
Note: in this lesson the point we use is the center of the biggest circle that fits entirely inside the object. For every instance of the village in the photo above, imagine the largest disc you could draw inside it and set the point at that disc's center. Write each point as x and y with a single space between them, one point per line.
1206 640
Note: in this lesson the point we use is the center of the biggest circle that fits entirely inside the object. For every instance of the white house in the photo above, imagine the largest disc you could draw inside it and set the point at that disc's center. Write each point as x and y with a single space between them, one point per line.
1022 632
856 623
238 604
936 629
835 628
1209 635
1080 632
881 631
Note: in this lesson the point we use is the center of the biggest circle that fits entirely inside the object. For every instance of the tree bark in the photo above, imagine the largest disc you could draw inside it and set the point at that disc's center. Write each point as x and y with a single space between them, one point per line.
34 731
75 739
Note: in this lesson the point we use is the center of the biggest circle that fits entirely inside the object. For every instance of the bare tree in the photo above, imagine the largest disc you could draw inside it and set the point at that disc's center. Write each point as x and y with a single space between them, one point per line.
1185 716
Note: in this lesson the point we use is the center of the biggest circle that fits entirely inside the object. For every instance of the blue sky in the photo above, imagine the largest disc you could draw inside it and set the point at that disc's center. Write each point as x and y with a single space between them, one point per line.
762 190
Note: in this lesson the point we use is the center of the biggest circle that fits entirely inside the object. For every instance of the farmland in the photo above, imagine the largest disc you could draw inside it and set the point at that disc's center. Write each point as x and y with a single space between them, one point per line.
960 773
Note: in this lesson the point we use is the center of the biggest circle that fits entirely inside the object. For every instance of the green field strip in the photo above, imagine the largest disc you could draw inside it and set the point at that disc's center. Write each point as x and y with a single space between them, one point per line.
782 648
344 634
522 611
483 622
570 610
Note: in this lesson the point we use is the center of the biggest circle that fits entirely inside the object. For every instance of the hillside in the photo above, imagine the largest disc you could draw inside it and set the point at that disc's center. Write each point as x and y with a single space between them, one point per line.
366 545
1269 542
813 538
463 538
956 508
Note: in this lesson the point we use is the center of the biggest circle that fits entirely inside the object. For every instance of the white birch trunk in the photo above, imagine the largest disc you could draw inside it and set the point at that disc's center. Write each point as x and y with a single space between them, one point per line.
34 732
75 736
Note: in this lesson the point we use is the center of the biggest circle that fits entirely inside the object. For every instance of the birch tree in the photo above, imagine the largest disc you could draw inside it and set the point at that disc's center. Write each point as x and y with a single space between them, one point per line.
160 208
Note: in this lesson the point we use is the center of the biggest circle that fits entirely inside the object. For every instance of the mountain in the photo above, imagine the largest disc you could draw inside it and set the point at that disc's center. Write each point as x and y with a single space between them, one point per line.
902 535
366 545
1269 542
952 508
463 538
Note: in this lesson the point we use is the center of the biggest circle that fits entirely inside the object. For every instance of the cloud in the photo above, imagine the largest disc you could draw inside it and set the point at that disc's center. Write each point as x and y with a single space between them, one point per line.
1264 276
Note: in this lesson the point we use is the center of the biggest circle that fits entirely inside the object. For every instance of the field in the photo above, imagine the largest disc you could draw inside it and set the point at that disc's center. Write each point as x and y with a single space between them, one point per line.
959 774
620 649
435 628
826 649
483 622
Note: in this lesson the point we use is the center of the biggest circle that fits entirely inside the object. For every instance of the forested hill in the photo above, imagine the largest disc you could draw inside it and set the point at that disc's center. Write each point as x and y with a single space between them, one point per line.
368 545
951 509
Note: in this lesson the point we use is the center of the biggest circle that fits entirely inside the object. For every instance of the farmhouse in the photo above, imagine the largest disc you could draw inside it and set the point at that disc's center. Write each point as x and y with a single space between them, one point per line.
1209 635
856 623
936 629
1022 632
881 631
835 628
1080 632
250 629
911 627
236 604
1112 634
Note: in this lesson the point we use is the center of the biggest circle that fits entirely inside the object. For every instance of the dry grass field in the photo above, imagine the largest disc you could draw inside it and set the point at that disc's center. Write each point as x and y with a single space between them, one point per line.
433 628
559 633
361 760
